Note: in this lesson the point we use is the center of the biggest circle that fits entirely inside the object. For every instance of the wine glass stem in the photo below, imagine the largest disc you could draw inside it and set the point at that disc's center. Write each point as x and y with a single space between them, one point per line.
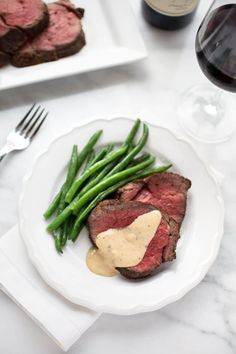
213 108
205 113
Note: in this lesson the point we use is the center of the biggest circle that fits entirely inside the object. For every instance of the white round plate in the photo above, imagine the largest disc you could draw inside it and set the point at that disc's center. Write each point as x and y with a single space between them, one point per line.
201 231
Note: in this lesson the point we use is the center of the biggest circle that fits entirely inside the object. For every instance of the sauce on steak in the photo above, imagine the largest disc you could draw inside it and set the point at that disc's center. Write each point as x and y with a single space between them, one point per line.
166 192
116 214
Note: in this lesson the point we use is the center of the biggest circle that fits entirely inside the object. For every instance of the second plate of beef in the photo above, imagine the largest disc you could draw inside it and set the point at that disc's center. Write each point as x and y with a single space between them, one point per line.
62 37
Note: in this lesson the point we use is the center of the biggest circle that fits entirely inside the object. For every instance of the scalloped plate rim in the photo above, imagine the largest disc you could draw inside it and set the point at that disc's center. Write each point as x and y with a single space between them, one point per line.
145 307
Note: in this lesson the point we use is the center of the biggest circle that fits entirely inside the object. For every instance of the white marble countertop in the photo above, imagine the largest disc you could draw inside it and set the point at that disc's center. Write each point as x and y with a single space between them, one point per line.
204 321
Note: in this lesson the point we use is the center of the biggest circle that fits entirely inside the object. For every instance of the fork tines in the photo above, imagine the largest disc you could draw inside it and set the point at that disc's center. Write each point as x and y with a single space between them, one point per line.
32 121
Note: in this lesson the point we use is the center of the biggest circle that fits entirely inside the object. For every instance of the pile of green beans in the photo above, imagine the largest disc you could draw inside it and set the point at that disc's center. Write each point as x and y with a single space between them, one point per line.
102 174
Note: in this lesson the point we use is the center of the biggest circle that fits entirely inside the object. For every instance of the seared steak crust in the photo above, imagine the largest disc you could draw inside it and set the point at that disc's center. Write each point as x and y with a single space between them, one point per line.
11 38
3 59
39 25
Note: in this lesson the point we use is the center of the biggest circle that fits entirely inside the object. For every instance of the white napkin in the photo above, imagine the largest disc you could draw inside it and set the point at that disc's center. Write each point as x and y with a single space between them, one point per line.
60 319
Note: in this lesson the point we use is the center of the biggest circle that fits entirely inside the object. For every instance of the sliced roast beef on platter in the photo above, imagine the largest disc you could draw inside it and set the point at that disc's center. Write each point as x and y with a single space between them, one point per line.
20 20
64 36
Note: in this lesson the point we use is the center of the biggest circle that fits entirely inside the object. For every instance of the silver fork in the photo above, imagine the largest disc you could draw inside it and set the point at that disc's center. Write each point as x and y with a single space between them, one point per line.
21 137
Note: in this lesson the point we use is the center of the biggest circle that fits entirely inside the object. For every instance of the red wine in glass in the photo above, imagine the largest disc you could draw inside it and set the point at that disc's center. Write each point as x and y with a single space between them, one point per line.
216 47
206 112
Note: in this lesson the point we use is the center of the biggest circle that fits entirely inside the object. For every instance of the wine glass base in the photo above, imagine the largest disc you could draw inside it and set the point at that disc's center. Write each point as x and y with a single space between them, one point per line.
207 115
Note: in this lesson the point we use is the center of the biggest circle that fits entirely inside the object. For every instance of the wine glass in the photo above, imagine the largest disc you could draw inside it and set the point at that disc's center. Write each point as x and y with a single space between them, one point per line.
208 113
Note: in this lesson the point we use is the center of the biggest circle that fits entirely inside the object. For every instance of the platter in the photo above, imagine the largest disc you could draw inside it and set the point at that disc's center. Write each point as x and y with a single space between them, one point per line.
201 231
109 43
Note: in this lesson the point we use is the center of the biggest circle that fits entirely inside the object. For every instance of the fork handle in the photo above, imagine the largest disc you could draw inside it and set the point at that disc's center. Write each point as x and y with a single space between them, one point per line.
4 151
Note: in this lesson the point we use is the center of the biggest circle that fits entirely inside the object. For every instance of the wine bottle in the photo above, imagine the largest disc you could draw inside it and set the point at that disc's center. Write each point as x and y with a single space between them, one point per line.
169 14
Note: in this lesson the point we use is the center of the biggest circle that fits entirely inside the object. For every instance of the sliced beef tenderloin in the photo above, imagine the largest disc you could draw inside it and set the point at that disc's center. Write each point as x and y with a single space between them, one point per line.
169 251
160 249
78 11
11 38
112 214
20 20
166 191
115 214
4 58
30 16
63 37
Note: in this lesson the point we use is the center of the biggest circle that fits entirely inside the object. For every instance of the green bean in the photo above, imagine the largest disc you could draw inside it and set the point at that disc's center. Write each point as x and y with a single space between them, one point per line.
72 218
89 160
66 212
57 241
97 179
130 148
72 171
77 229
125 162
79 223
139 159
133 132
99 156
108 181
53 206
129 140
82 156
64 236
57 202
68 225
103 153
103 173
78 203
88 147
94 168
71 221
108 149
58 221
67 229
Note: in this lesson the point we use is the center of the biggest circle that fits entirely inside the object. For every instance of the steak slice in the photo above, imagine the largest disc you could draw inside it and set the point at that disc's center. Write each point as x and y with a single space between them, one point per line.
19 20
4 58
10 37
166 191
63 37
115 214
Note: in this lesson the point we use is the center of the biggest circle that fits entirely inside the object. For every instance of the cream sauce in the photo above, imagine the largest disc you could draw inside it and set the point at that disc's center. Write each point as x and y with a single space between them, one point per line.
123 247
